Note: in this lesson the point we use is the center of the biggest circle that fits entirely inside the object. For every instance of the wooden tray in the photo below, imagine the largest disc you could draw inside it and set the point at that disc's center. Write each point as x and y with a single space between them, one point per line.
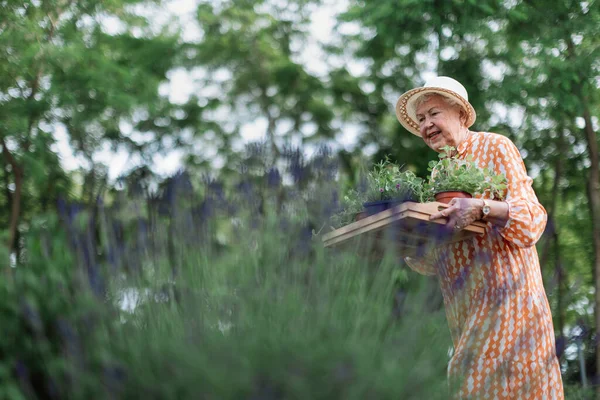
407 227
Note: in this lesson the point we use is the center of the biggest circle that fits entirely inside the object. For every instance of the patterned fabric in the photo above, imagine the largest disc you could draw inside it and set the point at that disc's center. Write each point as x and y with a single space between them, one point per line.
496 306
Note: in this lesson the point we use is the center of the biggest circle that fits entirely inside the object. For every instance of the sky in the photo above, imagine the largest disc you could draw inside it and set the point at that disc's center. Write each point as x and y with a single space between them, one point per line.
178 89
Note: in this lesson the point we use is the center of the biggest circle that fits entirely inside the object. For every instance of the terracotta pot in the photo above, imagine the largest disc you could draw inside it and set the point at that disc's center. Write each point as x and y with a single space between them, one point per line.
445 197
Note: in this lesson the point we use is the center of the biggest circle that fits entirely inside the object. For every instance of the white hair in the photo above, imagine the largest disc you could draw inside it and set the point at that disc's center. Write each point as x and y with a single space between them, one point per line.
450 101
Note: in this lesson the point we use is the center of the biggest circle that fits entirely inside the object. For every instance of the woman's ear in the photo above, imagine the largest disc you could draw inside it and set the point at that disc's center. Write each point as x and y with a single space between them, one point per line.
463 116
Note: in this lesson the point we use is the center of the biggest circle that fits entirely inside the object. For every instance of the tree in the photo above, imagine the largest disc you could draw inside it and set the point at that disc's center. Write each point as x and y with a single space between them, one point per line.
249 57
552 70
400 42
514 60
63 67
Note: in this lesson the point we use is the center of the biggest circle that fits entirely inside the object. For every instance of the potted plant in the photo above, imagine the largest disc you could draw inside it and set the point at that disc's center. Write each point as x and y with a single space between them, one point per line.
351 209
388 185
453 177
385 186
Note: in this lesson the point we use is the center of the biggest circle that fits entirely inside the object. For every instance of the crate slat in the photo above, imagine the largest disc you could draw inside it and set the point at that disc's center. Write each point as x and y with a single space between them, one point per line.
407 225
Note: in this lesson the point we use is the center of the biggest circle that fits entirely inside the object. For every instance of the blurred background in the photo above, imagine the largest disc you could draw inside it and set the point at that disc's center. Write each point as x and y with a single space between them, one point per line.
153 152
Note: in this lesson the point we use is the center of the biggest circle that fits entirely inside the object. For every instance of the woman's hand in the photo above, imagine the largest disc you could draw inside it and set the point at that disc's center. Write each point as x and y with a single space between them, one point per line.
460 213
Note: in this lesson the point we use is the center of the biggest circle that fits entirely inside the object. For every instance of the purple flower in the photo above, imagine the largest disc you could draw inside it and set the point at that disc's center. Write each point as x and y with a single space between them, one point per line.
381 190
397 186
273 177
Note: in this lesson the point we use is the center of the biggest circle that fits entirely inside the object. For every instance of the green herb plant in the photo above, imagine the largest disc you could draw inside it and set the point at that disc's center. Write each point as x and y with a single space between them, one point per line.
386 181
351 204
450 173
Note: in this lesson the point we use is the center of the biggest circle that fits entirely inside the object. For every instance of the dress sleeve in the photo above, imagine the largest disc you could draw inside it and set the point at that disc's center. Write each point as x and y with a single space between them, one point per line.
526 216
423 266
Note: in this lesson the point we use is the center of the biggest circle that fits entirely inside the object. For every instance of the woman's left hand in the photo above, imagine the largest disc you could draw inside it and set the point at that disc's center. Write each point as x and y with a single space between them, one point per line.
460 213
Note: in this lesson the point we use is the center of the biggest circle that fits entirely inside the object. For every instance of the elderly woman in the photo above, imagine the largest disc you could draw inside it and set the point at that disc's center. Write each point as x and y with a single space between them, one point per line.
497 310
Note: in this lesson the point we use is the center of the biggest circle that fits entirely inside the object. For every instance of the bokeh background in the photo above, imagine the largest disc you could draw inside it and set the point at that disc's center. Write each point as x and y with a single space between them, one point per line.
167 169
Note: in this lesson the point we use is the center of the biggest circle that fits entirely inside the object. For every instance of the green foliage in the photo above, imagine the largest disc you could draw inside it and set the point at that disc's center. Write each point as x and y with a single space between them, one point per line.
65 72
63 69
319 327
257 46
576 392
350 205
387 181
58 333
240 318
451 173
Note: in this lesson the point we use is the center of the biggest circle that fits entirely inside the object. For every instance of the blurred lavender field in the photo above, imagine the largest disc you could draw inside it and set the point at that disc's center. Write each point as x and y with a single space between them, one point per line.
207 290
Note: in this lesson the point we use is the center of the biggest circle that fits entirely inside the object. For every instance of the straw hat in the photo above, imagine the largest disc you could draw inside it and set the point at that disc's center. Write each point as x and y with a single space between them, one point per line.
405 107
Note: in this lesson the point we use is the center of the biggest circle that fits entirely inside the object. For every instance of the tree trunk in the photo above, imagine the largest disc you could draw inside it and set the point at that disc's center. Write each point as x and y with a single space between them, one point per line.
554 241
16 209
551 208
560 277
15 198
594 201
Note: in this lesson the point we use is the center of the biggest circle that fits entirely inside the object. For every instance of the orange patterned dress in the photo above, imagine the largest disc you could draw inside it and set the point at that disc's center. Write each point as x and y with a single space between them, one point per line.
495 301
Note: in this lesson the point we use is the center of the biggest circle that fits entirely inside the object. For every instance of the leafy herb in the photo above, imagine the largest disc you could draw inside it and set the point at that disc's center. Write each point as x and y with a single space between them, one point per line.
386 181
351 204
450 173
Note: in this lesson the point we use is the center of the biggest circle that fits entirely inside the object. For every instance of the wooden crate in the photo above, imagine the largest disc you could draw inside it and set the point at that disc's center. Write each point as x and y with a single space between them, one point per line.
406 227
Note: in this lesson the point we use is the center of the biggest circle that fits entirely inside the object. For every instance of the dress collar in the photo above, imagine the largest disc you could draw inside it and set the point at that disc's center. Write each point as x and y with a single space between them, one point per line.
466 144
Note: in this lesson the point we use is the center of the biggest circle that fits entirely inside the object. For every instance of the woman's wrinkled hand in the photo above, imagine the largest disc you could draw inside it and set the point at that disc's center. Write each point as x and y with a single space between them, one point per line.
460 213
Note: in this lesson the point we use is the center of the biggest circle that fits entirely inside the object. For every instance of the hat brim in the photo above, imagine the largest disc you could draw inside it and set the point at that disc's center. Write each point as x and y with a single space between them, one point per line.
406 113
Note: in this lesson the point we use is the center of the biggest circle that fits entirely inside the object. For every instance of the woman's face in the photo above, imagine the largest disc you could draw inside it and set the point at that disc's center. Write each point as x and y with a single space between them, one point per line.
440 124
